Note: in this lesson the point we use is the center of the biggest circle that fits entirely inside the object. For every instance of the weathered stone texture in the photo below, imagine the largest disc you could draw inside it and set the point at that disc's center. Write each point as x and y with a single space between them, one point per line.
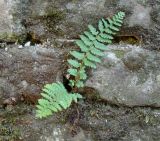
66 19
25 71
132 80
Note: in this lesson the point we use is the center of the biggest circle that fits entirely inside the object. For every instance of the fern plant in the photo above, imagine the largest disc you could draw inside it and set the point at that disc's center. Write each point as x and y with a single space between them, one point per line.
92 45
55 98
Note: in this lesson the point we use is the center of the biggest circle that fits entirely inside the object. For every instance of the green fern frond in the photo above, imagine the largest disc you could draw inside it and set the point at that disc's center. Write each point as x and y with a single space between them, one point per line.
92 44
55 98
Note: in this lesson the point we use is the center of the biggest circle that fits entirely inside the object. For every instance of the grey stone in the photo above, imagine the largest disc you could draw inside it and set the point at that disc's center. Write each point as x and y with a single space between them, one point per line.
132 81
6 88
25 20
141 16
5 17
26 70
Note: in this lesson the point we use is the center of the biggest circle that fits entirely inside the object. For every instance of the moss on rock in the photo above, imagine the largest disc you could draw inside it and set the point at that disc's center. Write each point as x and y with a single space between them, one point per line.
12 37
52 18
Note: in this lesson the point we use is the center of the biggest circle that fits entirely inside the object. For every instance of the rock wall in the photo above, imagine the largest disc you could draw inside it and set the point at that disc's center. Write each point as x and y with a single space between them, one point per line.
129 75
25 71
40 20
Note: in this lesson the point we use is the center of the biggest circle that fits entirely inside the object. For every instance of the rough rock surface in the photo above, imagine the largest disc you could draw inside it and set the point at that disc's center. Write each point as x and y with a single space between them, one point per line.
26 70
96 122
129 77
39 20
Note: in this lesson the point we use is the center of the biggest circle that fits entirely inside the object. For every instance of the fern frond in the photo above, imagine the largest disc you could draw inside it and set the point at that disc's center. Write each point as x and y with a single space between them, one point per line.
92 44
54 98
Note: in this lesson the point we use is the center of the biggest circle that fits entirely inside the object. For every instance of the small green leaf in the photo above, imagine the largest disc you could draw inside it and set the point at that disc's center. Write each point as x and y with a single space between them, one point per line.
93 30
106 36
72 72
100 26
72 83
89 35
121 14
116 22
89 63
97 52
93 58
100 45
100 39
82 74
109 31
82 46
57 107
76 96
73 63
53 108
105 23
46 96
113 28
85 40
110 21
77 55
63 104
80 84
